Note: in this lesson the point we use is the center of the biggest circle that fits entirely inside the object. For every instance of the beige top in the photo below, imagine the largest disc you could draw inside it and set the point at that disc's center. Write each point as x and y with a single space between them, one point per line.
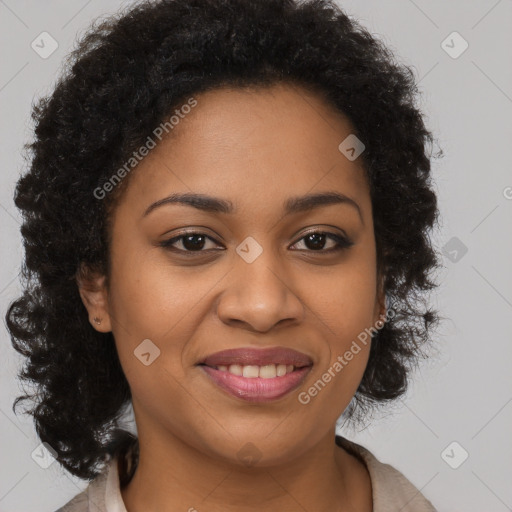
392 492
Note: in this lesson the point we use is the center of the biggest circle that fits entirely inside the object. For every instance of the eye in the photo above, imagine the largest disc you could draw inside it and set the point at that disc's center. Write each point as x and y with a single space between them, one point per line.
191 242
195 242
315 240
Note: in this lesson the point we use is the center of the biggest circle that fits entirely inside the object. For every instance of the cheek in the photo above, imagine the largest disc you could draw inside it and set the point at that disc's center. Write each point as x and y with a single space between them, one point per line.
348 299
160 303
347 321
151 297
347 313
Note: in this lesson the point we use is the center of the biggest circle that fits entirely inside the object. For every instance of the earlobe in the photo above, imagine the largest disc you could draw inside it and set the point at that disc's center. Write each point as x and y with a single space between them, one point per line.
380 318
93 292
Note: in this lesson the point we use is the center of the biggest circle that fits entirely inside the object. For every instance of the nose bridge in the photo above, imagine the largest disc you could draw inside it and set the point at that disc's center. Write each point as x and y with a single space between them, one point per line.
258 293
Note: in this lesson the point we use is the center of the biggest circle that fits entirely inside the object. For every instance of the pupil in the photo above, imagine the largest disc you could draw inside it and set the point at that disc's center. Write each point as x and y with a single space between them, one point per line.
188 244
320 240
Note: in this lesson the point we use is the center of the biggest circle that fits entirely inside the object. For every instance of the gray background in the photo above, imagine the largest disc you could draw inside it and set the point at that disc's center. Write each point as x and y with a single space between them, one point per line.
464 393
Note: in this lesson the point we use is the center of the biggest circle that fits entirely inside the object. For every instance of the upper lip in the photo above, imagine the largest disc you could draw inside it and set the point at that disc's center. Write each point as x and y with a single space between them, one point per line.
258 357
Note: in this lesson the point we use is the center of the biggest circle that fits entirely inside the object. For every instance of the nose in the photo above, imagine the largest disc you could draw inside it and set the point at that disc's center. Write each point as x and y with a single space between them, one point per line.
259 296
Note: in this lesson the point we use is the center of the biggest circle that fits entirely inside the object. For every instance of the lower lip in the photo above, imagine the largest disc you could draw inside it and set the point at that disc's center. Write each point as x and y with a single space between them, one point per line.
257 389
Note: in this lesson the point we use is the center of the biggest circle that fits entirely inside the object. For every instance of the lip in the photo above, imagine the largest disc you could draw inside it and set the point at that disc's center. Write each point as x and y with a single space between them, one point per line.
259 357
256 389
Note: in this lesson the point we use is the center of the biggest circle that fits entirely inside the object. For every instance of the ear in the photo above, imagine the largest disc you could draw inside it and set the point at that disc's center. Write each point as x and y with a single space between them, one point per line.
380 311
94 294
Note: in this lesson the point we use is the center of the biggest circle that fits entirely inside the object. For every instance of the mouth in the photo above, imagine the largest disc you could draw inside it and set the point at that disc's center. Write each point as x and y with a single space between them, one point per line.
257 375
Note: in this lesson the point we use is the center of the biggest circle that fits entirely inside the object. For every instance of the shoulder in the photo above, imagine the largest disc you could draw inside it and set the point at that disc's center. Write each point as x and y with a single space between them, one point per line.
80 503
92 498
391 489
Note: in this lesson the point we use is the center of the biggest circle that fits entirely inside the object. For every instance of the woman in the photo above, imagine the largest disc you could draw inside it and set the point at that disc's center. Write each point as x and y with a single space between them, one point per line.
227 227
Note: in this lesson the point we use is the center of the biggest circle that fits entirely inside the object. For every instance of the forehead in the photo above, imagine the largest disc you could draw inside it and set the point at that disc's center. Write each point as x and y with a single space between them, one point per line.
253 146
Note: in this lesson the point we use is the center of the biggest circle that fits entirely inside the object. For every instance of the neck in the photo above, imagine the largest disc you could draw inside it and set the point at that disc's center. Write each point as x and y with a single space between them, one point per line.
173 475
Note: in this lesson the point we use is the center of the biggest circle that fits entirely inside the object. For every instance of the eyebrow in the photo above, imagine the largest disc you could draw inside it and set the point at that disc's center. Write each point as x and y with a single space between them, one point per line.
292 205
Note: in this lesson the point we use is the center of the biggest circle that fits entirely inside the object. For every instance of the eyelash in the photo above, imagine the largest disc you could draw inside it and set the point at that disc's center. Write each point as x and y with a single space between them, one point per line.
342 243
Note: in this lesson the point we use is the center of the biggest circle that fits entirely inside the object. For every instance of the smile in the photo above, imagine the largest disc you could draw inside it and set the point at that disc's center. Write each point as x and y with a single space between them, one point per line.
274 372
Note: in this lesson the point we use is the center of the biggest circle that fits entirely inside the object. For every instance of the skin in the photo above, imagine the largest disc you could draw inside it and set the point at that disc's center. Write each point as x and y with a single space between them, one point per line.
257 148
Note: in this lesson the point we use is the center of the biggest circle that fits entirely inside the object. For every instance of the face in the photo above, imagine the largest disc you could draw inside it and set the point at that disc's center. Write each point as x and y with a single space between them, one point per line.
261 271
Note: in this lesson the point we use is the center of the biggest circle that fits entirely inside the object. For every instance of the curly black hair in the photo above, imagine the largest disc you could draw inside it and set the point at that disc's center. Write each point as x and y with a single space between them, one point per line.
125 76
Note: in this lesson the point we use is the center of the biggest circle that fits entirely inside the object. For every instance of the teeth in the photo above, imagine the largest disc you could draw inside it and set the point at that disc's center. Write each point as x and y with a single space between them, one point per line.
268 371
251 371
235 369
